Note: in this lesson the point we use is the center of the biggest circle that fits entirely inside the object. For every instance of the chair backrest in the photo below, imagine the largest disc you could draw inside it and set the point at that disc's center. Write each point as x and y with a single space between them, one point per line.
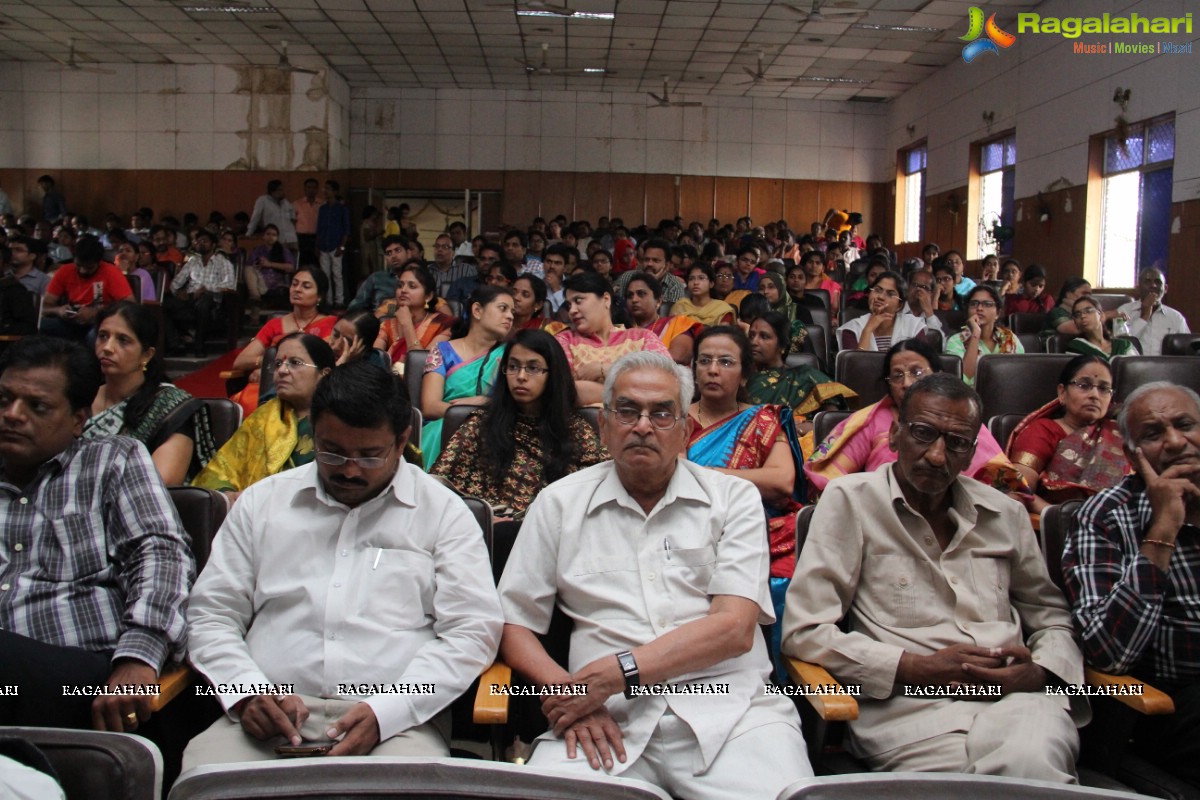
849 314
483 516
1052 536
414 371
1024 322
453 419
952 321
935 340
941 786
802 359
1056 343
135 285
1111 302
803 520
1130 372
1018 383
1032 342
822 295
225 416
592 415
378 777
819 343
266 375
1001 427
824 423
1181 344
202 511
93 765
861 371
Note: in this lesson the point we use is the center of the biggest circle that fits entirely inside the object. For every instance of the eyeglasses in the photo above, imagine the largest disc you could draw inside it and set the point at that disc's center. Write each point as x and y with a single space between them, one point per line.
981 304
1087 386
890 294
724 275
532 370
662 420
290 363
916 373
363 462
1084 313
927 434
724 362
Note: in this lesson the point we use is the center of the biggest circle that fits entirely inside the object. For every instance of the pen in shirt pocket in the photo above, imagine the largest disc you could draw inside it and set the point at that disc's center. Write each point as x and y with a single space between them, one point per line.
378 553
667 547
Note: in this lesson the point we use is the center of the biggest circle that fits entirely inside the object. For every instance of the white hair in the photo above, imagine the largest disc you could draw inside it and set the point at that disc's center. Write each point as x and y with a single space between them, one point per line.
1137 394
643 359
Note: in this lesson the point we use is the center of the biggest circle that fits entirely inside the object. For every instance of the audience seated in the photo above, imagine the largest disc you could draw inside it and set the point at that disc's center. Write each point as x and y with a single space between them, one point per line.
1061 318
1011 280
656 260
77 291
700 304
1070 449
802 303
380 286
415 322
590 544
461 371
1148 318
643 296
593 342
983 334
884 325
1033 298
1094 338
375 607
947 298
267 270
196 294
529 301
945 590
137 399
352 336
861 442
858 293
278 434
921 301
813 263
1130 569
96 567
126 258
962 284
26 251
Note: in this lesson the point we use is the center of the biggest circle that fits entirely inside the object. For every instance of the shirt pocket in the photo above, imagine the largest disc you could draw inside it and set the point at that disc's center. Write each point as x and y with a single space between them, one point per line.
77 549
991 576
904 593
398 591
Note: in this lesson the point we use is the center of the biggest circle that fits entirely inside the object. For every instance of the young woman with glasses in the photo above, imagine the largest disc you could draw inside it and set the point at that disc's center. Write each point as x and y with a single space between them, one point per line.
982 334
884 325
1094 338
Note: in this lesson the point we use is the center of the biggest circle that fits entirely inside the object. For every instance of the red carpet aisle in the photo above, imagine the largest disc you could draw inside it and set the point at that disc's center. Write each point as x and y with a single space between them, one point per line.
206 381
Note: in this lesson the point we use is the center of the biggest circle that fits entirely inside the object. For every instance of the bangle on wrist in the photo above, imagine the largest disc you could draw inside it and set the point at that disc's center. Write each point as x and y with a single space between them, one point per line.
1159 542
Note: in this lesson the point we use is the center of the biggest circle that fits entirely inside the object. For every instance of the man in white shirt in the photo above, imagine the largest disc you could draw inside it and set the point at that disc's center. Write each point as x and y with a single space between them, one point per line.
1148 319
348 601
662 566
919 305
273 208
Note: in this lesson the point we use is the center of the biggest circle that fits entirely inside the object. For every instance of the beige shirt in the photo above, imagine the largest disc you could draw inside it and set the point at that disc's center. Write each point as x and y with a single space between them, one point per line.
625 578
871 558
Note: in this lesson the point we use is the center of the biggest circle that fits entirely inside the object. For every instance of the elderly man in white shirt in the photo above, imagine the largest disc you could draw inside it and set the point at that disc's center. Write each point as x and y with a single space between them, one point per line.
662 566
1147 318
347 602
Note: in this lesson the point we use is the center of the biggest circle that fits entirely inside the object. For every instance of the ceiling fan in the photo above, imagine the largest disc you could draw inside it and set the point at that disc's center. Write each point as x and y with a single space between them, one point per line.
537 7
758 76
73 64
287 66
543 67
815 14
666 102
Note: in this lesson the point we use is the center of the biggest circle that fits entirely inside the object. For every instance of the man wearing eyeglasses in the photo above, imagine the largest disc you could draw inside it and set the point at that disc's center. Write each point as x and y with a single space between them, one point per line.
955 629
347 602
662 565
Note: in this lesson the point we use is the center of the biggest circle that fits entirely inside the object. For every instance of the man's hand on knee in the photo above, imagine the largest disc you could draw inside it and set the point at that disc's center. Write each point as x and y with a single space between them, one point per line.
266 716
599 736
1020 674
948 665
361 730
125 712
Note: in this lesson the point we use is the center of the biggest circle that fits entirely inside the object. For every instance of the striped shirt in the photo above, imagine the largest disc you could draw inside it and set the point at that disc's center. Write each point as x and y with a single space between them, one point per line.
1134 618
93 555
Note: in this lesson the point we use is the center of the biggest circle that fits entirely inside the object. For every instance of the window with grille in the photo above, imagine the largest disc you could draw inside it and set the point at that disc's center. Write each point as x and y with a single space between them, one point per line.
997 175
1136 213
914 192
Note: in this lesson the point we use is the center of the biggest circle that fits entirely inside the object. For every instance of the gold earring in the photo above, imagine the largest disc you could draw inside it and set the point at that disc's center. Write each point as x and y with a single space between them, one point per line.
144 363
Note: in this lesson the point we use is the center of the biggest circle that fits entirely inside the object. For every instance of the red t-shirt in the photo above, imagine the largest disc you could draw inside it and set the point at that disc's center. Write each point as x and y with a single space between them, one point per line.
108 281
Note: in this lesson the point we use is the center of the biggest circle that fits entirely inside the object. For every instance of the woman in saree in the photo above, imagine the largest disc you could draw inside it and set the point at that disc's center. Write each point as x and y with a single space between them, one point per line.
804 389
462 370
137 400
860 442
1070 448
1094 338
416 323
643 297
278 435
753 441
700 304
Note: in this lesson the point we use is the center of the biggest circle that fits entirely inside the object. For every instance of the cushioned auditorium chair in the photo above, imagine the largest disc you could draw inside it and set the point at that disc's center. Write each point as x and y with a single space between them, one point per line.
96 765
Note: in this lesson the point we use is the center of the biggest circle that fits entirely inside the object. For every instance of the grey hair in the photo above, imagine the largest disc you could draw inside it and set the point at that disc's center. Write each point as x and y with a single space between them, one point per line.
1137 394
643 359
943 384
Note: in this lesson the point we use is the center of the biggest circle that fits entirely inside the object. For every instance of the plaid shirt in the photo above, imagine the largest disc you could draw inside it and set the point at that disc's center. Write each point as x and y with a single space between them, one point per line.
93 555
1134 617
446 278
214 276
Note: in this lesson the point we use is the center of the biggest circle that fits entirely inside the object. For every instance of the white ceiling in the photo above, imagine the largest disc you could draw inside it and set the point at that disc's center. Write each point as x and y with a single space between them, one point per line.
702 45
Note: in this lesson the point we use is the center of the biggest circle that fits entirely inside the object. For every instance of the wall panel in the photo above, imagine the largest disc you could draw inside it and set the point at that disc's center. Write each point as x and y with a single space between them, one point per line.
661 198
520 198
766 200
696 198
629 197
592 191
557 195
731 196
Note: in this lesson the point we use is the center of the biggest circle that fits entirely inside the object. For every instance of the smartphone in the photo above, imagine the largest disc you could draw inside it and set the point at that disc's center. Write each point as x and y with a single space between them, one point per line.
69 311
306 750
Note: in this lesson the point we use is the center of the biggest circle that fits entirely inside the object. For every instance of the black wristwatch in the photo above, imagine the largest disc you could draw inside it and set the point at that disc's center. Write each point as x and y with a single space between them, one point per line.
629 669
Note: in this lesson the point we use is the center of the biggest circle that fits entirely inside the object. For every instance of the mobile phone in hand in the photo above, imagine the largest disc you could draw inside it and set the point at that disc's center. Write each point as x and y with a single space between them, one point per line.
306 750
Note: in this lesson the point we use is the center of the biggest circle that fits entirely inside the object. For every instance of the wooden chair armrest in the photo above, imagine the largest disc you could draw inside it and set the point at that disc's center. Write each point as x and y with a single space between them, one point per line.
831 707
226 374
1150 701
173 680
492 709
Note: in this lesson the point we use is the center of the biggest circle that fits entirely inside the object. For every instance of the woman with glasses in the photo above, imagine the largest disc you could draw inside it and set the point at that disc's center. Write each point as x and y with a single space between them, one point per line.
1070 448
1094 338
1032 298
982 334
278 435
885 325
527 437
860 443
416 323
700 304
945 298
463 370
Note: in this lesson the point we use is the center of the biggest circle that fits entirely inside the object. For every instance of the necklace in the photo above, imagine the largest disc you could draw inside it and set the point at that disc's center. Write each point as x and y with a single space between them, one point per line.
700 413
300 327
